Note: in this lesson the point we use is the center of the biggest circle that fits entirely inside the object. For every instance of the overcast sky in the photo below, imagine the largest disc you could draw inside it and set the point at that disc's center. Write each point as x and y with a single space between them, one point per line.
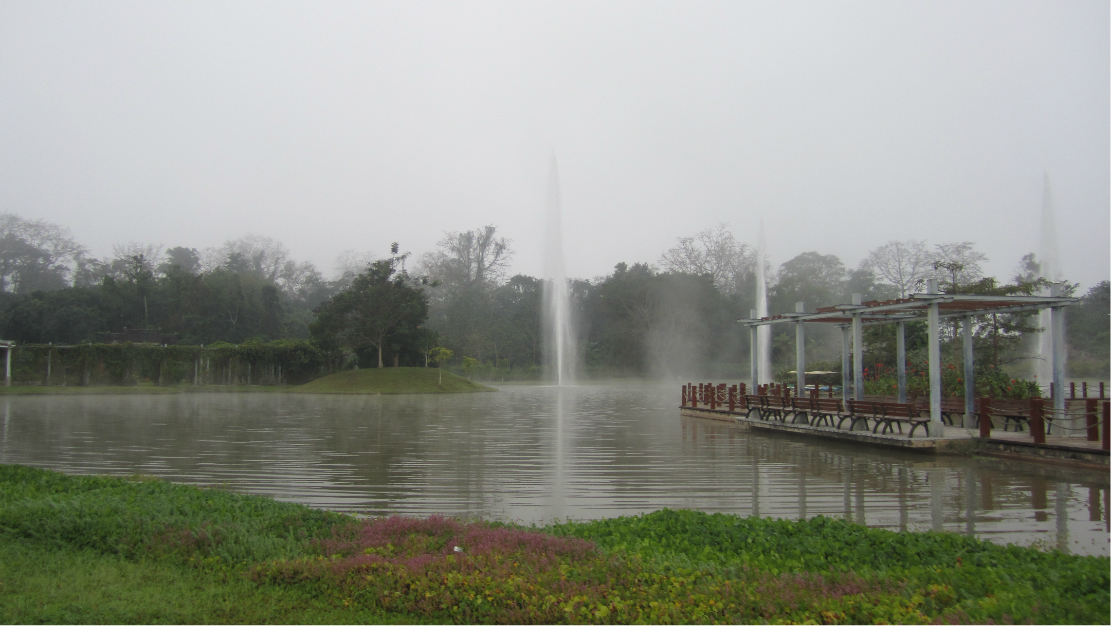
331 126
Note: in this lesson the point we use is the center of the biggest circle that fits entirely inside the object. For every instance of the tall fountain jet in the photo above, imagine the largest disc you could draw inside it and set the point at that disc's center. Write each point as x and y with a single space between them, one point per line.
559 336
1049 269
764 332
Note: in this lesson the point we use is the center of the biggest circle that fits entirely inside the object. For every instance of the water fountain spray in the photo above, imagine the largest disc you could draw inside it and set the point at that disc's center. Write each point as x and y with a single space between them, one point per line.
1049 268
764 332
558 327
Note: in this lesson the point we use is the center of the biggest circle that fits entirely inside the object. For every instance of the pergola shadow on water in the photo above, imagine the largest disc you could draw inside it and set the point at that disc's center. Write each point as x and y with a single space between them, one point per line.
932 307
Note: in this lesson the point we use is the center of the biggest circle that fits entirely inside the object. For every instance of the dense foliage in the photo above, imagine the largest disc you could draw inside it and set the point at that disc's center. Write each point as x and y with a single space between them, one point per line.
665 567
675 317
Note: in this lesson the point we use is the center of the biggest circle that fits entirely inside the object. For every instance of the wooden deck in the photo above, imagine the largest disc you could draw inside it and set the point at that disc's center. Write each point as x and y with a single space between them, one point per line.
1073 450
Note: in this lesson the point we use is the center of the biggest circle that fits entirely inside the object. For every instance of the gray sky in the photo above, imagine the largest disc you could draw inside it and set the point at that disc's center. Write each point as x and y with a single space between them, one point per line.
332 126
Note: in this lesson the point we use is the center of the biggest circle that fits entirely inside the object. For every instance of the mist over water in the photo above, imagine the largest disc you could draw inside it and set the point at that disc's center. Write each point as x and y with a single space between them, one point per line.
763 333
559 336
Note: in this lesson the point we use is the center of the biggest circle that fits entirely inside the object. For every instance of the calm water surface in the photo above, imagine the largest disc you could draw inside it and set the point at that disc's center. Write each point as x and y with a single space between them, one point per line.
534 454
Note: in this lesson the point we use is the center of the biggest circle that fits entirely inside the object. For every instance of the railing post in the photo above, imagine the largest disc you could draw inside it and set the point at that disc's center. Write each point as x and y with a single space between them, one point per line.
985 417
694 397
1091 408
713 397
1106 425
684 401
1072 390
732 398
1037 424
742 390
1084 389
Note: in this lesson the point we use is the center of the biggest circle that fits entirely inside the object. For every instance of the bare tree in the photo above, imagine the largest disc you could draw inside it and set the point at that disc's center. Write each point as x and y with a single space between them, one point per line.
958 262
901 263
261 256
713 251
467 259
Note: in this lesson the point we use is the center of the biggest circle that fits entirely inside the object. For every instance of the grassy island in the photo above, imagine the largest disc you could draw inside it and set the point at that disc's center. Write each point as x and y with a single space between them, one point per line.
92 549
391 380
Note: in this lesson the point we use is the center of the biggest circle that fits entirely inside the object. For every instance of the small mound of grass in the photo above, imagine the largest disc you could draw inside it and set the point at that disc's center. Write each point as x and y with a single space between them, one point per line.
392 380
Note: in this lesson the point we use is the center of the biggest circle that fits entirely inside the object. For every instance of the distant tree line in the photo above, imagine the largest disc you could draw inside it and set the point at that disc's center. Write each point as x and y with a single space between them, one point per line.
675 316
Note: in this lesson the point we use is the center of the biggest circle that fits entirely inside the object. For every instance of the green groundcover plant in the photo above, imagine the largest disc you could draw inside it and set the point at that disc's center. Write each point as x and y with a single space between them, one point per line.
670 566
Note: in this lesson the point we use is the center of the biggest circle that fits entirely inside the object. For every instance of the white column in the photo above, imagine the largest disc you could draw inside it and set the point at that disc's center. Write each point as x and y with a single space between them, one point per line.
936 426
1057 342
800 355
969 374
858 351
901 357
8 367
754 361
845 338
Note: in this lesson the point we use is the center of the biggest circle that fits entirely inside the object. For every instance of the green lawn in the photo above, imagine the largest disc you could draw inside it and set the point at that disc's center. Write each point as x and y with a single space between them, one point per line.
88 549
391 380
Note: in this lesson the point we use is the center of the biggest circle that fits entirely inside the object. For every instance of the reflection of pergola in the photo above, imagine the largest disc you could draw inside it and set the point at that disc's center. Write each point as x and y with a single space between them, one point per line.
931 307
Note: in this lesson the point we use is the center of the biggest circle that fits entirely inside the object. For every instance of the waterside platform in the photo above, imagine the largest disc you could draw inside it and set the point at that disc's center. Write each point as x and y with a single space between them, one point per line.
956 440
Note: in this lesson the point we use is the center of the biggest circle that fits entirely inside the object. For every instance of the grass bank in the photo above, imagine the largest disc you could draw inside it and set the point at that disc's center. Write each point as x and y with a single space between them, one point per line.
391 380
97 549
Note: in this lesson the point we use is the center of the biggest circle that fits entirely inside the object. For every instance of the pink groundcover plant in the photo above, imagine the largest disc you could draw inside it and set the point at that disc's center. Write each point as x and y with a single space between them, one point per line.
484 573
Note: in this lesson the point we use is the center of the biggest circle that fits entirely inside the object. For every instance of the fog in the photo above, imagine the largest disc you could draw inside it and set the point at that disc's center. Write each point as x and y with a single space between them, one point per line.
346 126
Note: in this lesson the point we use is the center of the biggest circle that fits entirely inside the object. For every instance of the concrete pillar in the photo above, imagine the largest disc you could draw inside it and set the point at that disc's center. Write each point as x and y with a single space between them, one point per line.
8 367
845 363
1057 342
969 374
800 355
901 357
753 362
858 351
933 320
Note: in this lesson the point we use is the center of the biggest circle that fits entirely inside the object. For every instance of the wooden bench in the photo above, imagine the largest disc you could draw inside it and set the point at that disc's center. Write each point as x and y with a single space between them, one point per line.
748 404
801 407
861 410
951 409
774 406
826 410
895 414
1017 411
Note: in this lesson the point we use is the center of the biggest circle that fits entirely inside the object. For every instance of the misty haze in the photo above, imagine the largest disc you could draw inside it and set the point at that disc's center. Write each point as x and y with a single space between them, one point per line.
518 264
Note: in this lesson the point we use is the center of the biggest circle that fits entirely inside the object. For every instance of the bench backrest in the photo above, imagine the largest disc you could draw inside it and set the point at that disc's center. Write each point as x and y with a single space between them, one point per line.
830 405
896 409
864 407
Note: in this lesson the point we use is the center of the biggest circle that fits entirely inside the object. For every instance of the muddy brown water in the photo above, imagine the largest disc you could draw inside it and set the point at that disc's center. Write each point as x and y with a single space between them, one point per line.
535 453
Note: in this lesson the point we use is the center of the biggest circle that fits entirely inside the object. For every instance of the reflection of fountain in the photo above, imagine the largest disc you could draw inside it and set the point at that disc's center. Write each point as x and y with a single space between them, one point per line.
1049 269
558 328
764 332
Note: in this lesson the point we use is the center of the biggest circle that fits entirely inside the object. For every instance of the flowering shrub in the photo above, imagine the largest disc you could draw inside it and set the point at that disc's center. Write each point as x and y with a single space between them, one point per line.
883 380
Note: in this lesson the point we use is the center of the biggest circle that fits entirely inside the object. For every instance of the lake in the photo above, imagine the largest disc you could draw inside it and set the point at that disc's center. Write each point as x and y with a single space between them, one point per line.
533 453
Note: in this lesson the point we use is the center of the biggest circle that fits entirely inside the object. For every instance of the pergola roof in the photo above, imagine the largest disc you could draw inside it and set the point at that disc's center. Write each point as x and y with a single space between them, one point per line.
915 307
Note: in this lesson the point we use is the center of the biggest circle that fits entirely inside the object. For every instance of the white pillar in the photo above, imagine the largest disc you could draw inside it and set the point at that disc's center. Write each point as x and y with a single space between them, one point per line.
1057 342
969 374
858 351
845 363
936 426
8 367
901 357
754 362
800 355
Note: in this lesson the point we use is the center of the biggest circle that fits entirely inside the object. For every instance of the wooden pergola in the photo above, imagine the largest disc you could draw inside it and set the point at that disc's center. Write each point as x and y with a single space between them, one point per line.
931 307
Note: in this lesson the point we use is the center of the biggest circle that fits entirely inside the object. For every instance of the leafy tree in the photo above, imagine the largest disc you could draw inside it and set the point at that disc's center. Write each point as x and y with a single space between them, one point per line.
35 255
381 309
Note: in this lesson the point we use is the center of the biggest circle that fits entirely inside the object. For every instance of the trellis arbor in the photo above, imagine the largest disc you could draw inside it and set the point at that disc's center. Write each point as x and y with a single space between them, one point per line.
932 307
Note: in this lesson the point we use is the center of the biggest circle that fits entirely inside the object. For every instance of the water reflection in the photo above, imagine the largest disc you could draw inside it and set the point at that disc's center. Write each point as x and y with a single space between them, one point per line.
538 453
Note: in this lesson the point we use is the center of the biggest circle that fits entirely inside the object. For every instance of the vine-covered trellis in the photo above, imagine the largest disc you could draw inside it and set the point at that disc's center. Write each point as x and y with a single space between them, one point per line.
254 363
